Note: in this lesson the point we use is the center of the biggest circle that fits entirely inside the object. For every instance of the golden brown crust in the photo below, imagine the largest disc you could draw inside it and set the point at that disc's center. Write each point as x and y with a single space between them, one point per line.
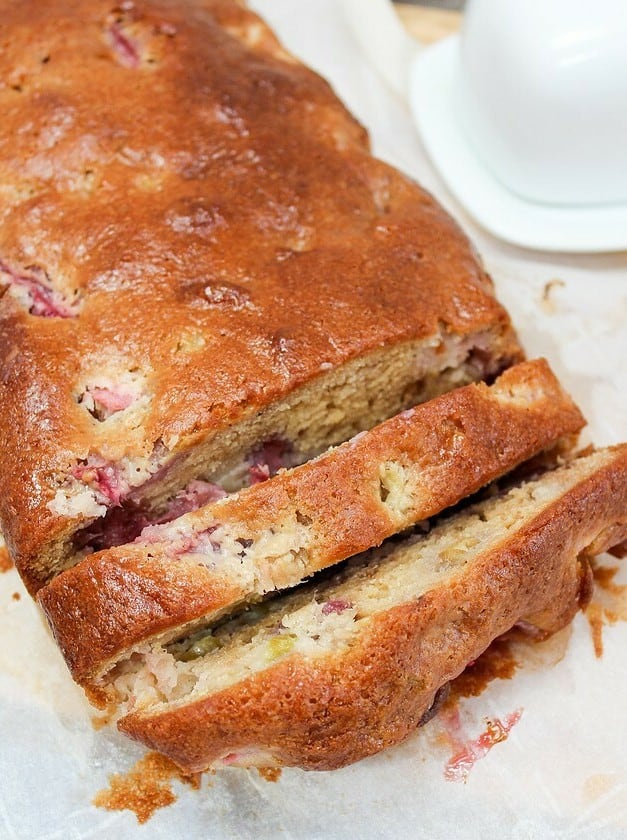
207 214
448 448
326 713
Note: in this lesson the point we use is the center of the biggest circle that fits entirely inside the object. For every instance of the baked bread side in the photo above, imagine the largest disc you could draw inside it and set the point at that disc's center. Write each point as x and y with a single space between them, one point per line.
340 669
184 575
5 562
199 261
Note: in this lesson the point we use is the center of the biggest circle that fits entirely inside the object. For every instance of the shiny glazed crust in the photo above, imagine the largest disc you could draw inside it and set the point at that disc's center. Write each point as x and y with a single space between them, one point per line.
346 501
191 214
330 711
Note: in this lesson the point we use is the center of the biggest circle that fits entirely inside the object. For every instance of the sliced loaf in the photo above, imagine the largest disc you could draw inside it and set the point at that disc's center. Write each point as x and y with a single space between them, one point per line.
341 668
180 576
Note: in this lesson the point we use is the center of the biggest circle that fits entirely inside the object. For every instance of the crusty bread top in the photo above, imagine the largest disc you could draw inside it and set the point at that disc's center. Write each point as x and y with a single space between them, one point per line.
416 613
188 212
274 534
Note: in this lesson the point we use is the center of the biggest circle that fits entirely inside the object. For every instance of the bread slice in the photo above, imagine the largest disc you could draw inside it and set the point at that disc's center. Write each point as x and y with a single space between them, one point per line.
180 576
175 303
343 667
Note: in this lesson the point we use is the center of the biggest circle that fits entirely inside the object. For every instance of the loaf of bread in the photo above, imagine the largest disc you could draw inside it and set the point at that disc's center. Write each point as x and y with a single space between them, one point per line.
206 281
187 573
346 666
203 271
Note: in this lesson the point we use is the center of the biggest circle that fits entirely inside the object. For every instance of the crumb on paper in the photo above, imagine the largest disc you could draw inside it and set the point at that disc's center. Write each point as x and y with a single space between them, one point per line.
270 774
608 604
99 722
16 596
594 614
547 300
145 788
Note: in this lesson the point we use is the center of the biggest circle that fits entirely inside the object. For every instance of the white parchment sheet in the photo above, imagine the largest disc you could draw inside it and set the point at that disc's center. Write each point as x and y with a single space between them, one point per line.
562 773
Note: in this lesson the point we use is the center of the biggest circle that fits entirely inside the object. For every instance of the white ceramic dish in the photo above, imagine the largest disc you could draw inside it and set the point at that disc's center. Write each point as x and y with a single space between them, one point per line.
524 114
541 93
575 228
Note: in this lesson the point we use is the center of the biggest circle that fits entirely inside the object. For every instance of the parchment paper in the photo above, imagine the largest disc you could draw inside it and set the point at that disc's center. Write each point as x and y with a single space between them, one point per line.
563 771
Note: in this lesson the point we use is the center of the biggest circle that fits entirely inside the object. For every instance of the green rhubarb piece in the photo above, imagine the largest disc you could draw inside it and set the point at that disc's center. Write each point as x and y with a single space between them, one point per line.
279 646
199 648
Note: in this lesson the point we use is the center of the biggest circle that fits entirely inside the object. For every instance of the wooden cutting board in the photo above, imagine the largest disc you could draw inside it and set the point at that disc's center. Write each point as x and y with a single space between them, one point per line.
428 24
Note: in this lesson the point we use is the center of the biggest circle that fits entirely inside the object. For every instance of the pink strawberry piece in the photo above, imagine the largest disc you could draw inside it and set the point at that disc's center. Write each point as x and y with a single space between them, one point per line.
259 473
109 401
336 605
125 48
179 543
45 302
268 460
103 477
120 525
130 521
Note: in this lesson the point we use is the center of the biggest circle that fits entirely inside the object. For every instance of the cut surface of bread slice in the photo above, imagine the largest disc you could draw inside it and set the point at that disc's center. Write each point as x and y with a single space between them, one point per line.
173 303
186 574
341 668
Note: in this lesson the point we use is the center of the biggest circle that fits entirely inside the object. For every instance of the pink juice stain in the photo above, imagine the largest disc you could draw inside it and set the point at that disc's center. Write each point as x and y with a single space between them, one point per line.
468 751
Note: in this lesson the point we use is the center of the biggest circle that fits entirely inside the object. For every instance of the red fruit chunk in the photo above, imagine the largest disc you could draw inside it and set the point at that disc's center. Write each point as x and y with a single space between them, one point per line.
336 605
44 301
124 47
268 460
110 401
103 477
